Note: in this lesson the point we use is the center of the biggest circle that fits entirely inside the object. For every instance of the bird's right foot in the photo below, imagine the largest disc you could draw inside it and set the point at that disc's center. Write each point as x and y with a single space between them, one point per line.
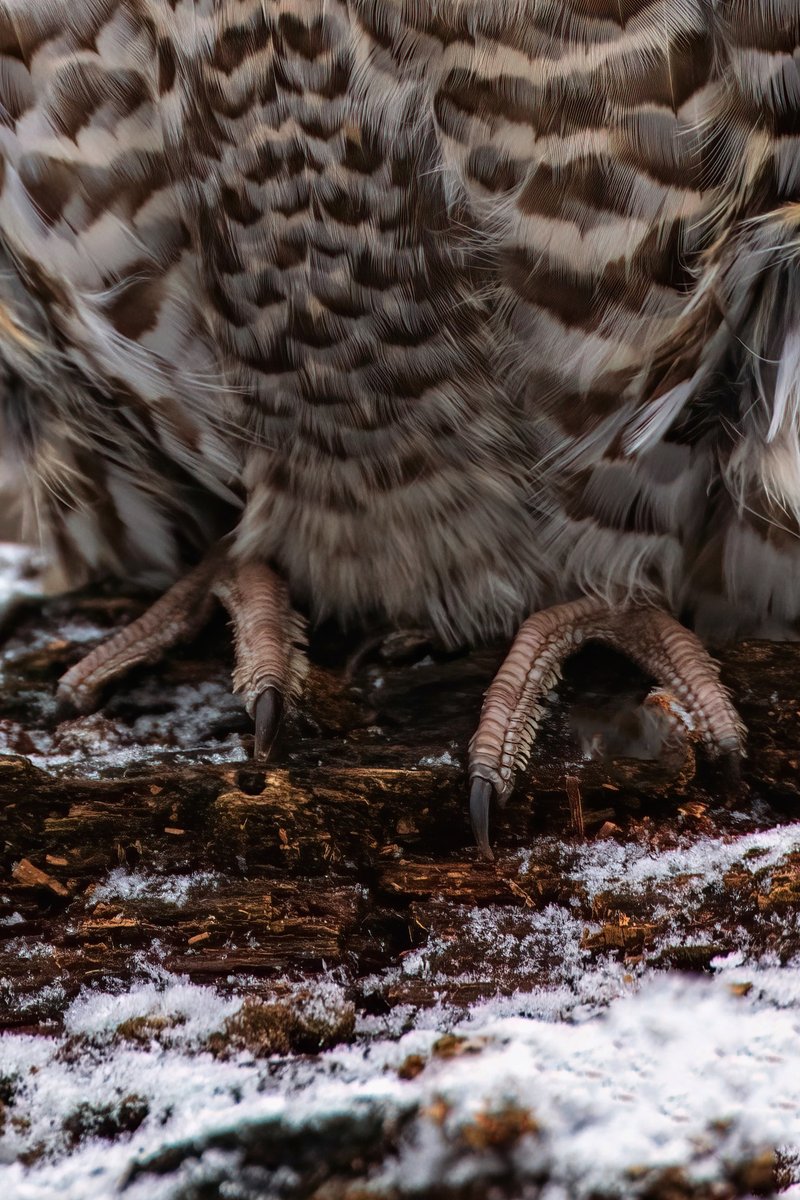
514 704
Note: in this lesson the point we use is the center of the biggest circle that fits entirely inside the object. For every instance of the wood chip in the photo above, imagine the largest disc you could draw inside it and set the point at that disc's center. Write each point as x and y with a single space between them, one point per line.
411 1067
26 875
520 893
173 831
198 937
608 829
575 805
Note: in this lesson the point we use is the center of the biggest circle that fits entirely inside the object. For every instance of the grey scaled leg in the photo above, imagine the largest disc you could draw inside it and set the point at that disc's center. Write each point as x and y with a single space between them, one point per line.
177 616
514 704
269 635
270 663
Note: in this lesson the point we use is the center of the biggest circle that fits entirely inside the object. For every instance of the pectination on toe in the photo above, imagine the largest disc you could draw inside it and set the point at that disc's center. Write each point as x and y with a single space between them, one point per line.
514 703
177 616
269 637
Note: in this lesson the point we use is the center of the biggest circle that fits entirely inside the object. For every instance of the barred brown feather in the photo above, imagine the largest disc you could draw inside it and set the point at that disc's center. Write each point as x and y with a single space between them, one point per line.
471 303
118 394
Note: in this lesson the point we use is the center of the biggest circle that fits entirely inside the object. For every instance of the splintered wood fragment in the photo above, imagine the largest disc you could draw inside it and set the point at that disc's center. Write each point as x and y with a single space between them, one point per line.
608 829
520 893
618 937
575 806
26 875
457 882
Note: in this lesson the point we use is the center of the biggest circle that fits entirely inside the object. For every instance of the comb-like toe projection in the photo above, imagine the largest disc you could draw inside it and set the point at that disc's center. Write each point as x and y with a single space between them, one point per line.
514 703
269 638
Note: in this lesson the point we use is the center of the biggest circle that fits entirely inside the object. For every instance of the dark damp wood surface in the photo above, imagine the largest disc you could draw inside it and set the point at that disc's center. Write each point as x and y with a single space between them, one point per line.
352 846
354 841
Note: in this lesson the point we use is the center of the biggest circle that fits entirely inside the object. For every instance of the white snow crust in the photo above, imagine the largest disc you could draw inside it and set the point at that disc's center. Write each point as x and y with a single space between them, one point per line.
620 1071
674 1072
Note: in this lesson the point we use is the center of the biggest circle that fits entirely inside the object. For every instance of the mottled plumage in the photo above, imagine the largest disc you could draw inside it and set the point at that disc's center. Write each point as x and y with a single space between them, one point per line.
102 330
440 310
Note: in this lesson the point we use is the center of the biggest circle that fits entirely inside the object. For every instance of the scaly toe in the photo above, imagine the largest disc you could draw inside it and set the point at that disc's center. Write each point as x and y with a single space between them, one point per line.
514 702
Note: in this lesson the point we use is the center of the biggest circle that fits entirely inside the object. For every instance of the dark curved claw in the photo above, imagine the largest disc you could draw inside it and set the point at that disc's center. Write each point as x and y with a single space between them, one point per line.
66 709
480 800
71 704
267 715
731 766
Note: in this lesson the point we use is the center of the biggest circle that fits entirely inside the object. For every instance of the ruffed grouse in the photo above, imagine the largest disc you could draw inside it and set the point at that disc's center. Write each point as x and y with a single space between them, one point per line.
443 309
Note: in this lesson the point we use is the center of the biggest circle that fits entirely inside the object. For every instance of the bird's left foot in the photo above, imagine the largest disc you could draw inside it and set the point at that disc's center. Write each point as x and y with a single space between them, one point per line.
268 634
514 703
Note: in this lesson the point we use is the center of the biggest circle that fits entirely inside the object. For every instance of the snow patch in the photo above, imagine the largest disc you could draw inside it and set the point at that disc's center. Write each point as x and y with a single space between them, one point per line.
606 864
122 884
445 759
682 1073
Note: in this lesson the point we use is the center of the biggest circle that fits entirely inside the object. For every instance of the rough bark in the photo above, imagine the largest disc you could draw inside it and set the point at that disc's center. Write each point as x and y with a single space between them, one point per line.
367 789
353 846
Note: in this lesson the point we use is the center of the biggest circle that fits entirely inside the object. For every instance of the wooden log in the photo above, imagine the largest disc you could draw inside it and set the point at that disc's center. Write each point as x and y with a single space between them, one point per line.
353 845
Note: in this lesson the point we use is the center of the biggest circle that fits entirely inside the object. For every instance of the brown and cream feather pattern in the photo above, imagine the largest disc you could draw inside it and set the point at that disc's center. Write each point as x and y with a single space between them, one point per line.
578 132
451 286
385 463
445 235
118 396
733 362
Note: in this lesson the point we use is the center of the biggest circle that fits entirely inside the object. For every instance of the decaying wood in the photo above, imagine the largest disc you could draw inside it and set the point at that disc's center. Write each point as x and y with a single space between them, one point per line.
356 836
352 847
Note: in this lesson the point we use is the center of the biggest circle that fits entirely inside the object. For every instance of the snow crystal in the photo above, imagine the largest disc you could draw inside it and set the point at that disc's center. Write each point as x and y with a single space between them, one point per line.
445 759
683 1072
605 864
613 1069
122 884
95 744
196 1012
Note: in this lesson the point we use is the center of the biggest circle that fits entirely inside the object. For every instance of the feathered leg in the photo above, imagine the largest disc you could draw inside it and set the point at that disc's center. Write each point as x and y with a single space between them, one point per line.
269 636
514 703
